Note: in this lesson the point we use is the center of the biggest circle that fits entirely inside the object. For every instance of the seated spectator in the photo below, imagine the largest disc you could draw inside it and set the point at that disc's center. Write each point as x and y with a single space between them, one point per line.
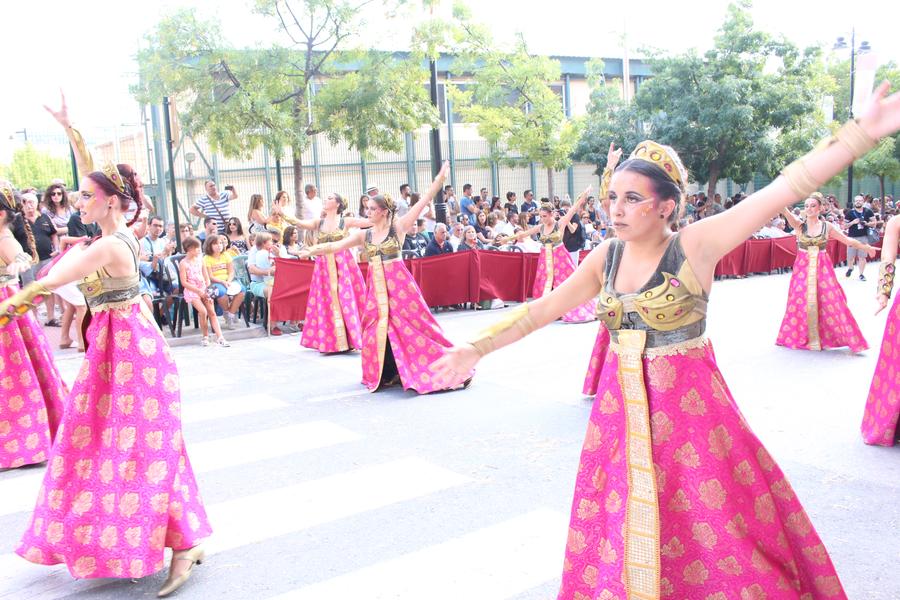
237 241
416 240
510 206
772 229
290 243
440 244
261 266
195 282
456 235
482 232
229 293
210 228
469 241
502 226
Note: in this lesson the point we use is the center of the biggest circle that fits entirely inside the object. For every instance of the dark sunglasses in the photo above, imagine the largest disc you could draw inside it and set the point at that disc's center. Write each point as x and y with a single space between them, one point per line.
56 193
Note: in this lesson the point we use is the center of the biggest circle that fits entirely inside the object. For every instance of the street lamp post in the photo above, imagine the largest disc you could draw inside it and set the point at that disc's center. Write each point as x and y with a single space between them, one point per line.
840 44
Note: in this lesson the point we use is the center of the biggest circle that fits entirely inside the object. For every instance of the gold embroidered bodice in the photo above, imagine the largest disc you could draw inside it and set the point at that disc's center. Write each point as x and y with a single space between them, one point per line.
554 238
671 300
100 288
389 249
332 236
819 241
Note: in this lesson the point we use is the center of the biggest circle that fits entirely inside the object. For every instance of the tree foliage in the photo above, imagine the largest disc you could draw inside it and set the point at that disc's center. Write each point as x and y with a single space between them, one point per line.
312 80
31 167
881 162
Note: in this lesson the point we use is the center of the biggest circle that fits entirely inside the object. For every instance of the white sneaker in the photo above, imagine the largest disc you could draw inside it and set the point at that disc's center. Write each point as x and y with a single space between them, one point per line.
229 321
204 342
223 342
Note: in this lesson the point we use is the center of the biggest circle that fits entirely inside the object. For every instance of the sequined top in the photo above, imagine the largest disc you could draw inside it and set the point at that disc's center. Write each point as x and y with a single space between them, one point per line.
100 288
819 241
554 238
332 236
389 249
671 301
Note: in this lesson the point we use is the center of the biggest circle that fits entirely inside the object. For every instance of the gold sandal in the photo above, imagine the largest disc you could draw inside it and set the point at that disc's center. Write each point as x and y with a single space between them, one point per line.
196 555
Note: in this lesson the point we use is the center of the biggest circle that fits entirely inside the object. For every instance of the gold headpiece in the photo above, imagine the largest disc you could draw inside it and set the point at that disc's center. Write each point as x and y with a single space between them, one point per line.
389 202
546 206
664 158
8 196
112 173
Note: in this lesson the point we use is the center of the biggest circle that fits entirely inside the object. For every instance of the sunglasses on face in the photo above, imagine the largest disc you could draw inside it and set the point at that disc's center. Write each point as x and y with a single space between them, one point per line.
56 193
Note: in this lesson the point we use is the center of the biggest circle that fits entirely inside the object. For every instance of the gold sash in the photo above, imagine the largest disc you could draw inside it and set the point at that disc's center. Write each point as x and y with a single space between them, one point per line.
339 330
377 269
812 299
548 266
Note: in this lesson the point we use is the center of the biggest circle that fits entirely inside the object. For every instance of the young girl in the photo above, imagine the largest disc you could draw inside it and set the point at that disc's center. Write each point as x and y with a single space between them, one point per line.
219 270
194 281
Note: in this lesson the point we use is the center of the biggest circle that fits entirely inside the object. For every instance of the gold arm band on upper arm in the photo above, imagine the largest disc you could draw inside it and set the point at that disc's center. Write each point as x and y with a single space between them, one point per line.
886 278
83 151
518 318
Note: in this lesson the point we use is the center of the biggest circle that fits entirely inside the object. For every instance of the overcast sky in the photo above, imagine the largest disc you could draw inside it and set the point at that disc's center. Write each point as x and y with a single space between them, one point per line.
87 47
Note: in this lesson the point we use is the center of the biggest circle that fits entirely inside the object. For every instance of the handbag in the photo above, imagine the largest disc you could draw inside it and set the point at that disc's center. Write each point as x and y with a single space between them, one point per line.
872 235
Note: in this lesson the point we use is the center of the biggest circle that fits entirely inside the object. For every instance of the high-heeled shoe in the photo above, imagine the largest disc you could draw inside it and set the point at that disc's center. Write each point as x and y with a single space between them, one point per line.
196 556
63 345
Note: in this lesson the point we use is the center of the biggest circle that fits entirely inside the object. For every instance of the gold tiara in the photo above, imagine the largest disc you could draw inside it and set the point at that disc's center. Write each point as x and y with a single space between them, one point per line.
7 192
389 202
112 173
664 158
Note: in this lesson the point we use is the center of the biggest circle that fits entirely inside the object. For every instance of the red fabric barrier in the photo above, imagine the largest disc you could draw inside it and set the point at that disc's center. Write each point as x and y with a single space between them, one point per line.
758 256
733 262
445 279
288 299
500 275
784 252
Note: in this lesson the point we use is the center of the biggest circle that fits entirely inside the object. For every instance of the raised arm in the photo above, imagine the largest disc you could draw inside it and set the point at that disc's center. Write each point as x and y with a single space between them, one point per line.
82 156
405 222
888 271
357 222
348 242
707 240
791 218
567 218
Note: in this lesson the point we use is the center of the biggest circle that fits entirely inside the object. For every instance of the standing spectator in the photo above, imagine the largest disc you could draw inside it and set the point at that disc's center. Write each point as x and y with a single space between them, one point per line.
215 204
47 243
573 233
858 220
529 207
510 206
484 194
312 206
55 205
403 201
372 191
210 228
456 235
440 244
467 205
453 208
363 209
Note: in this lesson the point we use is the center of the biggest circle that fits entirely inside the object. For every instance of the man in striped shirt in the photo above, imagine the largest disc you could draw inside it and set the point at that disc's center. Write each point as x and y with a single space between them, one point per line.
215 205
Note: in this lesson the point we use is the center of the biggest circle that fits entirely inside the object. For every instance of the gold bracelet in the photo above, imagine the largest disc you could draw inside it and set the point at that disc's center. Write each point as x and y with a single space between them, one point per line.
855 139
799 178
22 301
886 278
518 318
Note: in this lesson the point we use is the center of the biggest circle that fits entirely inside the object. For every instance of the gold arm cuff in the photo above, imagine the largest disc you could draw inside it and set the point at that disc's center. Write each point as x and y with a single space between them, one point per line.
855 139
518 318
24 258
83 151
604 182
21 302
886 278
799 178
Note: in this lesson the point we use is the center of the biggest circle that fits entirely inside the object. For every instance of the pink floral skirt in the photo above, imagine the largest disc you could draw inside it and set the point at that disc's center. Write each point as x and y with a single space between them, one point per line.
879 424
336 295
676 498
32 394
595 366
118 487
553 267
817 316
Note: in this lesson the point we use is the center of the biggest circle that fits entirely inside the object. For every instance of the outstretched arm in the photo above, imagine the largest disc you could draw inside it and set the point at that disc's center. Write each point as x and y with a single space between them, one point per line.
82 156
707 240
331 247
887 272
405 222
837 234
791 218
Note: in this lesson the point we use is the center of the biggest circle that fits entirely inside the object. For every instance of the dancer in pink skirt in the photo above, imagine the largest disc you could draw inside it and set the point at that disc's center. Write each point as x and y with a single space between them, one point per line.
817 316
119 487
32 393
675 497
337 290
400 336
879 424
554 264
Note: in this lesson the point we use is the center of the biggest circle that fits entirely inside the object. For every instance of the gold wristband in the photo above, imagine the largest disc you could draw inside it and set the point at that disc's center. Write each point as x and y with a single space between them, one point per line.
518 318
886 278
22 301
799 178
854 138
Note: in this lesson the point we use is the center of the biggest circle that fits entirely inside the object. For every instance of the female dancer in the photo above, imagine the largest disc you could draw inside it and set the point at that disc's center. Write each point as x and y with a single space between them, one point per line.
400 337
119 487
31 391
817 316
337 290
675 496
883 404
554 264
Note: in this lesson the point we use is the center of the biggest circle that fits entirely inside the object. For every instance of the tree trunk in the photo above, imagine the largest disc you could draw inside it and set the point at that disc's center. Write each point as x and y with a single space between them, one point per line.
550 185
881 181
713 181
299 197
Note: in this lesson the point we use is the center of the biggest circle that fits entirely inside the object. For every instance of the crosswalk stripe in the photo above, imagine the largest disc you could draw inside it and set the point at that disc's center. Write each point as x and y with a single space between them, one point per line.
198 412
19 493
499 561
262 516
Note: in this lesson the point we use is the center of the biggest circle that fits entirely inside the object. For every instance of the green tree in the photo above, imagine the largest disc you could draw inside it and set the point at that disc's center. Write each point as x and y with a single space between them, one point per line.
31 167
609 119
723 110
280 97
512 102
881 162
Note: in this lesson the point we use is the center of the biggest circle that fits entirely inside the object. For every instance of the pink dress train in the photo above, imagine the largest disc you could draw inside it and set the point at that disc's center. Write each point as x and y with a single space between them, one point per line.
554 266
336 295
595 366
879 424
675 497
817 316
119 486
400 335
32 394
